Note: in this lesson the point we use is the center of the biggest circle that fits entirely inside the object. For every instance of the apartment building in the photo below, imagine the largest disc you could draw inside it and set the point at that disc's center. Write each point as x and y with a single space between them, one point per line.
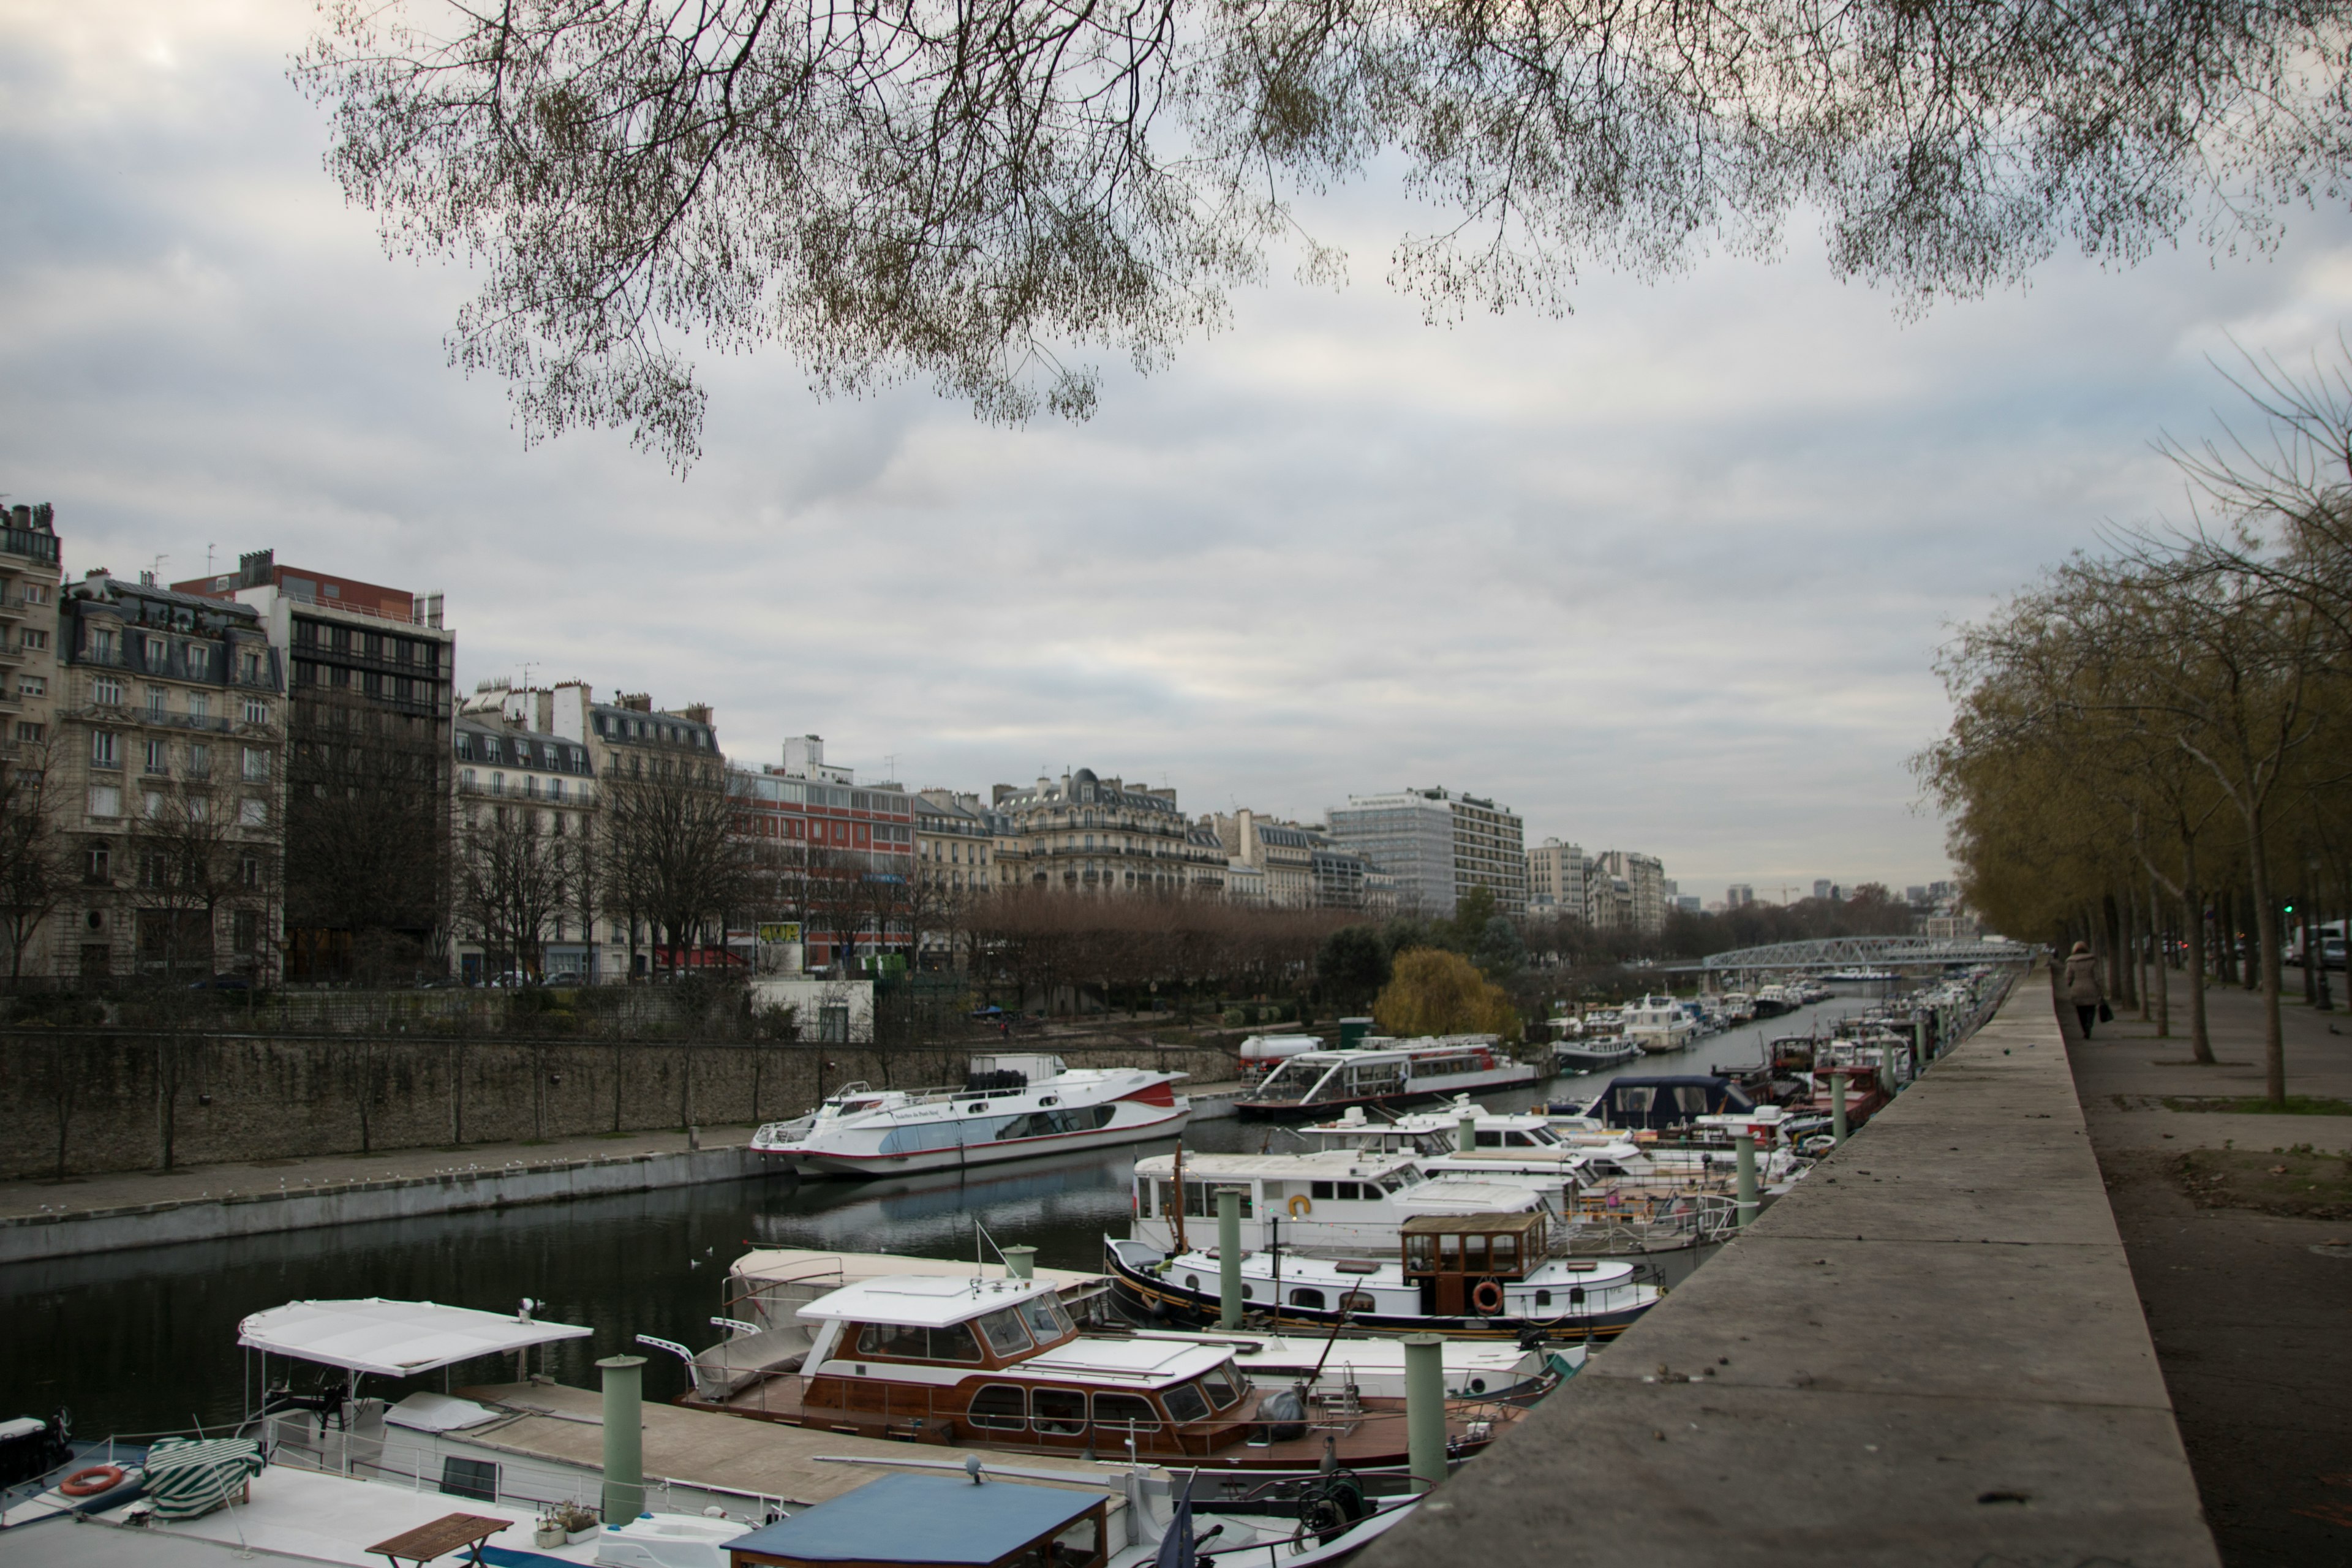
31 571
1280 854
1556 876
524 895
1086 834
1438 846
1739 895
1641 906
165 754
955 841
370 706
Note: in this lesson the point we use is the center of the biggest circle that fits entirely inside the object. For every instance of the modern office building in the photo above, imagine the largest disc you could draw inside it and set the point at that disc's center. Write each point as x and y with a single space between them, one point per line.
1738 895
837 860
1438 846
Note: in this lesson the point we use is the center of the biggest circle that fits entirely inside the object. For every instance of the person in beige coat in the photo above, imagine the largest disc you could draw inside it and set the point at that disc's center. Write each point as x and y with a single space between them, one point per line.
2080 985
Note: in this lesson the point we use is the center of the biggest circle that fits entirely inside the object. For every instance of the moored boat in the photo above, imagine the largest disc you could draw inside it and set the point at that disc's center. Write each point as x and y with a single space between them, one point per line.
1386 1075
1009 1108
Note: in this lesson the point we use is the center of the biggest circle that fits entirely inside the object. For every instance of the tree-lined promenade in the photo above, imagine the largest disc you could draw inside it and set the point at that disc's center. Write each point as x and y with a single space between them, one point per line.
2151 746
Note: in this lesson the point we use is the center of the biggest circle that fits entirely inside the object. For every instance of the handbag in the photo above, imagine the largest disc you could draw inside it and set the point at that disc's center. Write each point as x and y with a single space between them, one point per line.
2107 1013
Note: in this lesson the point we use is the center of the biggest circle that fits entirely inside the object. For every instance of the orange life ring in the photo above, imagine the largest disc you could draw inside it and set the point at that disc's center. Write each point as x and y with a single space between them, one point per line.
1488 1297
90 1483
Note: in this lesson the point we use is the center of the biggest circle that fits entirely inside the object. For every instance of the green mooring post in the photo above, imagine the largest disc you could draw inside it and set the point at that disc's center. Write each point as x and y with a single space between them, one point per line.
1020 1262
1744 1150
1229 1257
1837 1106
624 1437
1424 1408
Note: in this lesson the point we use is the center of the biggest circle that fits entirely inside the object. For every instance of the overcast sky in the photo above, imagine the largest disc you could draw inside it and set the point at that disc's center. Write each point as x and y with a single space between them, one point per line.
1667 575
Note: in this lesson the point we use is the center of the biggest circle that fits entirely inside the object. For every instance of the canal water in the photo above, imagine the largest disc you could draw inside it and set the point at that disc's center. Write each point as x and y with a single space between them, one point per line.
145 1341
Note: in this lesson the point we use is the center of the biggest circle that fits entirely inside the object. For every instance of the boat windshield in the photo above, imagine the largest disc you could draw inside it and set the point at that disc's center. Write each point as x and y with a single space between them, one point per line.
1185 1403
1224 1386
1004 1332
1045 1318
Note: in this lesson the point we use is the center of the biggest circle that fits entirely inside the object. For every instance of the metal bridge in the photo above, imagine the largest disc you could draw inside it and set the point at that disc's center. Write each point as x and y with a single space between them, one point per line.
1868 952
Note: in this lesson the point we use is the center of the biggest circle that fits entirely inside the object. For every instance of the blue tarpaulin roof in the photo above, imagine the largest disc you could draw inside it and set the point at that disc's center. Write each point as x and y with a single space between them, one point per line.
920 1518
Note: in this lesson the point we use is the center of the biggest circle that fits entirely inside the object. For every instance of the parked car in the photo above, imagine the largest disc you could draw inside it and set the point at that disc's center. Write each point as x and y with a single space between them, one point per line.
223 983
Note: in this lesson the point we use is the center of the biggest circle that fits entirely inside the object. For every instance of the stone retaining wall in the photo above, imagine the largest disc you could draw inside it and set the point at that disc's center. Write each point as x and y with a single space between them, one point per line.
109 1101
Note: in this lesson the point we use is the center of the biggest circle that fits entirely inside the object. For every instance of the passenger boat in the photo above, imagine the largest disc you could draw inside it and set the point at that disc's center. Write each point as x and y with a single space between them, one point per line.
1658 1024
1474 1276
1334 1200
1591 1054
1389 1075
1009 1108
997 1363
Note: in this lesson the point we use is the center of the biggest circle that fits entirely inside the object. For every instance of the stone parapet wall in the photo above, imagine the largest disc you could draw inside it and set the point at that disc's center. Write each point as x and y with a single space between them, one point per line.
116 1100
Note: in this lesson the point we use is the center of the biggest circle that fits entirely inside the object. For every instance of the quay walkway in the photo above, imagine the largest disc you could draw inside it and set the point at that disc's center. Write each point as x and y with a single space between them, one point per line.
1930 1353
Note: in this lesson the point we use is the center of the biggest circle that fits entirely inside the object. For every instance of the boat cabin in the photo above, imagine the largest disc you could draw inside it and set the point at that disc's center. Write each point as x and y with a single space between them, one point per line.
1330 1200
1316 1081
1462 1262
933 1521
1658 1104
942 1359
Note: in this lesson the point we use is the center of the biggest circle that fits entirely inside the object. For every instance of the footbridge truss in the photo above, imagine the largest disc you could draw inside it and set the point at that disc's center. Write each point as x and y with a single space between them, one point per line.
1868 952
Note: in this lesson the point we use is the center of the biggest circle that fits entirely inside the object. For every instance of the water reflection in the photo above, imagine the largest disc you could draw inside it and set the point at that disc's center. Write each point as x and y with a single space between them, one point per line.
145 1341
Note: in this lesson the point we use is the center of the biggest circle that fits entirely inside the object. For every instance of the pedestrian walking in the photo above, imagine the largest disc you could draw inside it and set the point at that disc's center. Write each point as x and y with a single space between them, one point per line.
2082 984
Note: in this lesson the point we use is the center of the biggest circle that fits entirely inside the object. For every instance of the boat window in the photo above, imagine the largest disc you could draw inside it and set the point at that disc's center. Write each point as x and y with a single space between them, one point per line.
1473 1255
1046 1321
476 1478
1199 1199
1185 1403
1060 1410
1635 1099
1349 1192
1391 1187
1691 1098
1449 1253
1506 1254
1321 1191
1224 1386
1303 1297
904 1342
1121 1411
999 1406
1420 1254
1490 1140
1519 1140
1355 1301
1543 1298
1004 1332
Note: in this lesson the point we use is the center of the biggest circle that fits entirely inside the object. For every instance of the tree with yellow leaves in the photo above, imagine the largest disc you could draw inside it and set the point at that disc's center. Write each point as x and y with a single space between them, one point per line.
1433 992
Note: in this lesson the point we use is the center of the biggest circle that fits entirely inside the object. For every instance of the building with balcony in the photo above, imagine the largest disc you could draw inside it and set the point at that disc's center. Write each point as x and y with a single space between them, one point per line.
368 757
524 894
955 841
1282 853
1438 846
1086 834
30 573
166 757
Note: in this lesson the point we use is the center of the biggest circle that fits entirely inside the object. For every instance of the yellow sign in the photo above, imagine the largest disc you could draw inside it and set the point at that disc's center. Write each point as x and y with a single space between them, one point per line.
780 931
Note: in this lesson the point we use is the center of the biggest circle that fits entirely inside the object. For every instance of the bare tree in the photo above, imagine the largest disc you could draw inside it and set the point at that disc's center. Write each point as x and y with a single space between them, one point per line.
670 855
35 869
973 192
513 883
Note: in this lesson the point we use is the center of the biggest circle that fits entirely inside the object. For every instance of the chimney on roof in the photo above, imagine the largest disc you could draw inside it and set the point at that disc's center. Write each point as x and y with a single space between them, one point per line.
256 568
698 712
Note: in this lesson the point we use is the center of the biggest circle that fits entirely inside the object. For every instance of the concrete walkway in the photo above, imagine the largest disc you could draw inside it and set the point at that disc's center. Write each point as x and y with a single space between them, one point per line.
2247 1310
1929 1353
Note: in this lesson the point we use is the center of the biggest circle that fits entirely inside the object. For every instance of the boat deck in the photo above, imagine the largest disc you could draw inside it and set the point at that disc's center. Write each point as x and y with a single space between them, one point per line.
763 1460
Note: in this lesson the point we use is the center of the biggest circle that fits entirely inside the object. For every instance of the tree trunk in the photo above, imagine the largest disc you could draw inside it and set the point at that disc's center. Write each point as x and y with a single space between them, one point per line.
2225 945
2266 938
2200 1043
2159 972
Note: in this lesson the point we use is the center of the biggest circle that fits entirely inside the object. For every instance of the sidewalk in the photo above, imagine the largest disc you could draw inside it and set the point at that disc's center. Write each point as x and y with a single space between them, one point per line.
2246 1306
202 1184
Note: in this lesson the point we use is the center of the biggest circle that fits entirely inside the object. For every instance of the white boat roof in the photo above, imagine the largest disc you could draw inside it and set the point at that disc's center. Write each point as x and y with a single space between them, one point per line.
393 1338
923 1300
1456 1195
1323 1165
1149 1362
1390 1048
794 1265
